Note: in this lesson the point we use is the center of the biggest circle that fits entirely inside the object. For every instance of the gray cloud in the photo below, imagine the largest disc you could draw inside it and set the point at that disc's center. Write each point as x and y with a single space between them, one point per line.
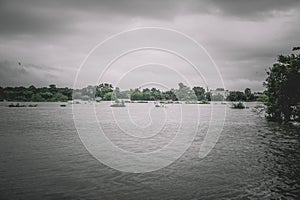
243 37
16 74
254 10
13 74
34 17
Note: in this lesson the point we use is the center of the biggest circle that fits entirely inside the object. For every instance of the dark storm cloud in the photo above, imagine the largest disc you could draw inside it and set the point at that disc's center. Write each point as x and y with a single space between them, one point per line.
36 17
30 17
243 36
54 17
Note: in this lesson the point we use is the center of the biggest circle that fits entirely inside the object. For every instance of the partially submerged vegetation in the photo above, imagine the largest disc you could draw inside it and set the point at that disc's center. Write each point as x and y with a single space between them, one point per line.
260 109
282 89
118 103
21 105
238 105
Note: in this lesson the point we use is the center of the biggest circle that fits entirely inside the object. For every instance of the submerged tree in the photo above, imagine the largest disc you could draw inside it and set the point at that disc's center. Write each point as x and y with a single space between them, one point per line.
282 88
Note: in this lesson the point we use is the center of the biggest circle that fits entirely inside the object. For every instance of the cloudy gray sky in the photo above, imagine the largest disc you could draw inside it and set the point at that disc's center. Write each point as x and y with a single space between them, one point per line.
45 42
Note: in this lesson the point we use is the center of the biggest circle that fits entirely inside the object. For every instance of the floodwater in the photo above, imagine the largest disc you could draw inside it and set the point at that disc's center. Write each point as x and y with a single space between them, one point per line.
42 156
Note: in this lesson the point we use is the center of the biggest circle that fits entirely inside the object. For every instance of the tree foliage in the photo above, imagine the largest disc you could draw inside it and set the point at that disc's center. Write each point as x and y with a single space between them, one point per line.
217 97
184 93
199 92
106 92
236 96
51 93
102 89
282 88
248 94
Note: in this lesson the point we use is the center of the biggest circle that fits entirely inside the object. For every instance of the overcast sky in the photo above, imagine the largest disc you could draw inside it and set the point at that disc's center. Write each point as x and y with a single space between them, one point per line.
44 42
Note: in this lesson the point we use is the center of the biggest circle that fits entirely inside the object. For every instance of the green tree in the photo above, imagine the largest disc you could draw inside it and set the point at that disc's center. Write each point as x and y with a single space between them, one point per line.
248 94
156 94
282 88
52 88
32 88
102 89
184 93
136 95
37 98
124 94
147 94
59 97
77 95
87 91
68 92
217 97
208 96
46 95
117 92
199 92
236 96
1 94
170 95
109 96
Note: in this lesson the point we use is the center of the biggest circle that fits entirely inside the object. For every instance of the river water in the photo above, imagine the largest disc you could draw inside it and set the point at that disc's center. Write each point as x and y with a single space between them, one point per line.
42 156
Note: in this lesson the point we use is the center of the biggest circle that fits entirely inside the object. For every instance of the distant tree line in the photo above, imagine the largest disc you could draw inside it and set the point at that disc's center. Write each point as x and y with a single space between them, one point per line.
184 93
247 95
51 93
106 92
